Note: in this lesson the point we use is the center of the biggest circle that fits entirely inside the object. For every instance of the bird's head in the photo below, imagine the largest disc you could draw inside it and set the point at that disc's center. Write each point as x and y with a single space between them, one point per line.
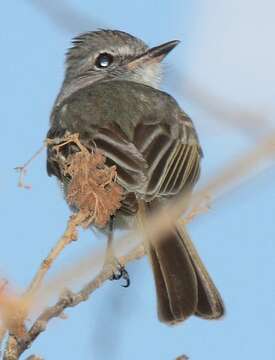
114 55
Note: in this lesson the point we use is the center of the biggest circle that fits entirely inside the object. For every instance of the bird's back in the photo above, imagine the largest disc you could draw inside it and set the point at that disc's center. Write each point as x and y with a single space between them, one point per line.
142 131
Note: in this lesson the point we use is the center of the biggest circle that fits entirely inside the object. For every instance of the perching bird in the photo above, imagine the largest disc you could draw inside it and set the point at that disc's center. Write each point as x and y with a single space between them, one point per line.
110 96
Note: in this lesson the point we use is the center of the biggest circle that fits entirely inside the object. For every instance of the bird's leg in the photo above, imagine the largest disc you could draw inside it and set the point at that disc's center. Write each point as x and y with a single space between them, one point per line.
111 260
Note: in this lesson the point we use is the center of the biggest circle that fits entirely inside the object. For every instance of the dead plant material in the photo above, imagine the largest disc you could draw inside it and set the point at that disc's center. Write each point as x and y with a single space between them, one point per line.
92 187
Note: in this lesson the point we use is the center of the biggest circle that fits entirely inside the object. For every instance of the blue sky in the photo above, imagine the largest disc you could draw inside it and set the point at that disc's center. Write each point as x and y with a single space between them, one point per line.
225 62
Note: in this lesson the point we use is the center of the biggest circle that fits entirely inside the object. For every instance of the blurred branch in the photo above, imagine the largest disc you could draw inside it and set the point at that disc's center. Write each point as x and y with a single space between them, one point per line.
17 345
65 17
253 124
236 172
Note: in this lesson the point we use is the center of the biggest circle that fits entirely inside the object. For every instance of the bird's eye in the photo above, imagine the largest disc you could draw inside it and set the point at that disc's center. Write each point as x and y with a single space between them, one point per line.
104 60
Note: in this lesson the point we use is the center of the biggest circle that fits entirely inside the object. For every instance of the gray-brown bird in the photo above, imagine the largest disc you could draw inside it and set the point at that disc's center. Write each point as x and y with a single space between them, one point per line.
110 97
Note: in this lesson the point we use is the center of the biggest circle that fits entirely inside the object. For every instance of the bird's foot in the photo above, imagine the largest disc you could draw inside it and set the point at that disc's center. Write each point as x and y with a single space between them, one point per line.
120 273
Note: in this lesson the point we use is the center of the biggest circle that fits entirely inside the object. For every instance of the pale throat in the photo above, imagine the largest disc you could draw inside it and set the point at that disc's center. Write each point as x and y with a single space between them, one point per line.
149 74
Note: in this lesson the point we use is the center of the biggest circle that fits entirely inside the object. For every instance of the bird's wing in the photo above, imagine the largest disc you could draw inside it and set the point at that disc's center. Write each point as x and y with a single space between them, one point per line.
155 162
173 160
121 151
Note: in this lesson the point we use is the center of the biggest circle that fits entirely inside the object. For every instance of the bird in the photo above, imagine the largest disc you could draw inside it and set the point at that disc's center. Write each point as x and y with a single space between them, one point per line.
111 97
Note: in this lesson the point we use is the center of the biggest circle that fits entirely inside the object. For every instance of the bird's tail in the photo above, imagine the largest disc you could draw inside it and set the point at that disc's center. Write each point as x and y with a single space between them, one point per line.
183 284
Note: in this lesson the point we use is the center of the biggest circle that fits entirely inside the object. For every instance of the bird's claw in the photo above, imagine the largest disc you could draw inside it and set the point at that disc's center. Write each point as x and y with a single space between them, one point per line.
121 273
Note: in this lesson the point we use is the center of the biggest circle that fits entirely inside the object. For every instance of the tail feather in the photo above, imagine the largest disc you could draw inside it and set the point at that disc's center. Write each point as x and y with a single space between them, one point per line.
210 304
183 284
175 279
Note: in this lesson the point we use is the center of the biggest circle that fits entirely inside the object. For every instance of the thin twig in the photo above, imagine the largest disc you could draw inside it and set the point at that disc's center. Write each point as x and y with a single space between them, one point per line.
23 168
69 236
16 346
70 299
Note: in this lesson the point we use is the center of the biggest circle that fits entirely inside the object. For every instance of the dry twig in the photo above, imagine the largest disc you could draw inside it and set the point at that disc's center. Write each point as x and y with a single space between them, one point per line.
69 236
17 345
23 169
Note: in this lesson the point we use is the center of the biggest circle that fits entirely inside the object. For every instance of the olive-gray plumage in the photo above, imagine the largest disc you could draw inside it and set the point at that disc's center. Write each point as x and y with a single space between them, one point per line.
107 98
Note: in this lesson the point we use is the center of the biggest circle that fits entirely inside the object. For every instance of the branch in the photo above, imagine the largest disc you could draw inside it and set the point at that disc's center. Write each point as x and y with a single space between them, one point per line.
12 349
23 168
16 346
66 17
69 236
70 299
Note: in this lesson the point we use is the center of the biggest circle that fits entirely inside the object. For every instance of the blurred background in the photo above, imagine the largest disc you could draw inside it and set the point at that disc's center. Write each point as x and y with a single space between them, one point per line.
223 76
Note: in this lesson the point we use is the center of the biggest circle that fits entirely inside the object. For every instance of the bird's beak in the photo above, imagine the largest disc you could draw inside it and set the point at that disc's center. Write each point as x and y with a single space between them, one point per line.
154 55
